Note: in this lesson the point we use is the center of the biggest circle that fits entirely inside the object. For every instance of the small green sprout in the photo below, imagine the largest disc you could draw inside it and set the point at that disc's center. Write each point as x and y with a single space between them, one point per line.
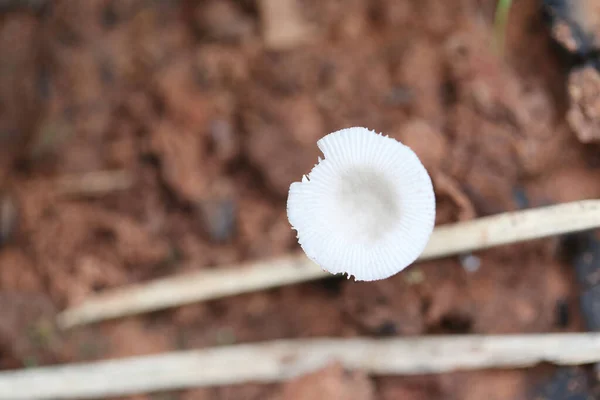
501 18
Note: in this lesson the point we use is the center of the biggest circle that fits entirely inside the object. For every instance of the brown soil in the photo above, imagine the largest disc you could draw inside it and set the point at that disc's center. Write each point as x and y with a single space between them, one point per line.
214 117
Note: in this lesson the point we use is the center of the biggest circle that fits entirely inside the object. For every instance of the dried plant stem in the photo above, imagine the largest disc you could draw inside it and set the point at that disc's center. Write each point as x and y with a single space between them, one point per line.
281 360
446 240
95 183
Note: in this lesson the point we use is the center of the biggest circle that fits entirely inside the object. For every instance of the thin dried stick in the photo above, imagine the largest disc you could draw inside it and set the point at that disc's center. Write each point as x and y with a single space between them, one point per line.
446 240
281 360
94 183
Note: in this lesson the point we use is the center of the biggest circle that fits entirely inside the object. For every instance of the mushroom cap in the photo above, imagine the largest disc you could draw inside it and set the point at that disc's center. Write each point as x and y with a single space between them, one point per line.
367 209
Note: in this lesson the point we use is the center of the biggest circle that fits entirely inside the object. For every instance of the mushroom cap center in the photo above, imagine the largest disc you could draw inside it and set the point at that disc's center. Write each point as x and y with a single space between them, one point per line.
370 202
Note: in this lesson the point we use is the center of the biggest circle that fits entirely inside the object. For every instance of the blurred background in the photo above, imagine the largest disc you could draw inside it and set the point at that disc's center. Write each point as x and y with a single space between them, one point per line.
142 139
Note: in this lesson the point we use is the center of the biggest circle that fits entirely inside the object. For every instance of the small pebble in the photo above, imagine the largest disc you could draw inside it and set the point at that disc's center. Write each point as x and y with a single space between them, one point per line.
219 218
414 276
470 263
520 198
223 21
225 336
284 27
224 144
388 328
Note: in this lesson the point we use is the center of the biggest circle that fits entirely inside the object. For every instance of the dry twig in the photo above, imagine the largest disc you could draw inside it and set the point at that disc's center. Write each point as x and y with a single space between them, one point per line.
94 183
281 360
446 240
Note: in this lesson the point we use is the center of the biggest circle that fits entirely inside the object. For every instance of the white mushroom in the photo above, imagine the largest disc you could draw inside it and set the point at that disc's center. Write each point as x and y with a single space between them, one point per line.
367 209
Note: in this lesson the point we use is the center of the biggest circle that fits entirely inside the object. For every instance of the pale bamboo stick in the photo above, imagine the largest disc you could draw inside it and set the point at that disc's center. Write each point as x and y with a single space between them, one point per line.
446 240
281 360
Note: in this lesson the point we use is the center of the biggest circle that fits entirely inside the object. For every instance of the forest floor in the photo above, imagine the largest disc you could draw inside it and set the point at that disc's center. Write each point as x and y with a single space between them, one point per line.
213 108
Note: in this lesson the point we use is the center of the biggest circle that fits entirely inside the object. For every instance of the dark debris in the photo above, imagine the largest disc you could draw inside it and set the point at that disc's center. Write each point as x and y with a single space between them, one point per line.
9 218
562 16
569 383
36 6
583 252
